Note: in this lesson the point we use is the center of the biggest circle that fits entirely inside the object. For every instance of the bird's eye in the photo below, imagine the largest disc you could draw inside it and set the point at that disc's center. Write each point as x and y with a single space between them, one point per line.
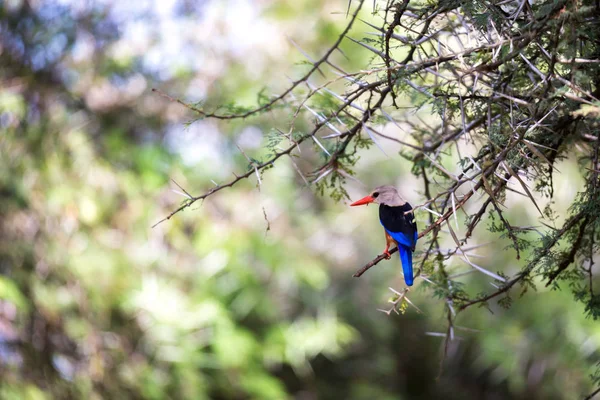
375 194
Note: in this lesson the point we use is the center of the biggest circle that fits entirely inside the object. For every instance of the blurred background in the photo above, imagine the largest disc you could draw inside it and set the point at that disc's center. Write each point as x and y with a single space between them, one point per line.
248 295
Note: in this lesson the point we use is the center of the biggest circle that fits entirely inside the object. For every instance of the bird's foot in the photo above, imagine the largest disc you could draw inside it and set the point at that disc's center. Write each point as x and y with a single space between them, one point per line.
387 254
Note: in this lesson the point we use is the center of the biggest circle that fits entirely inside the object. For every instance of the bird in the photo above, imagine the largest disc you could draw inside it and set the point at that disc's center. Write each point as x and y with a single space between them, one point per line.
395 214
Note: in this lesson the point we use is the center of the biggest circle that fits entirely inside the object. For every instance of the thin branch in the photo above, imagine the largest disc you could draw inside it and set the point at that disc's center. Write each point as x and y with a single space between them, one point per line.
295 84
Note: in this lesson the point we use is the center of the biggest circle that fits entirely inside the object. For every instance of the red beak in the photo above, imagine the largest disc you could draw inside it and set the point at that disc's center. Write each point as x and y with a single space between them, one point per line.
364 200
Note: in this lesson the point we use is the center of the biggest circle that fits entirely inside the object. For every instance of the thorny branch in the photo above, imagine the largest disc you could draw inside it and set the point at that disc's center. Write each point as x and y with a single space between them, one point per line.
507 102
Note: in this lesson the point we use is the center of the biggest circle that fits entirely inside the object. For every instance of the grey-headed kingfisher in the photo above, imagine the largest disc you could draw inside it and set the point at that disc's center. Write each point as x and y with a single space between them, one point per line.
399 225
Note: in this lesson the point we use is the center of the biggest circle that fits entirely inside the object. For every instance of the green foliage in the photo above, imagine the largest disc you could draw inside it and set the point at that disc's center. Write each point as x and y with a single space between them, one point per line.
249 294
334 184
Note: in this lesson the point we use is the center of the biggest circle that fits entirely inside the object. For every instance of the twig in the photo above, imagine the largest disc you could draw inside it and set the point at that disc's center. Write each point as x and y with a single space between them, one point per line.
271 103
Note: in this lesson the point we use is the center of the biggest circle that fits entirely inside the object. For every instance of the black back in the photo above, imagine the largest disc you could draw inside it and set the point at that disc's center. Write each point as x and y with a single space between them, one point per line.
394 219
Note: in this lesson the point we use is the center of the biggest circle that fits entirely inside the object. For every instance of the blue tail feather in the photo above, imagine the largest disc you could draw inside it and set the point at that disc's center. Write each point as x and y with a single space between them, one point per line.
405 247
407 267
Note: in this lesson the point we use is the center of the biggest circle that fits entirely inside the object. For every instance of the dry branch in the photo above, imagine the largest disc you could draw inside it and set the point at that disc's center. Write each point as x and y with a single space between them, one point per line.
510 87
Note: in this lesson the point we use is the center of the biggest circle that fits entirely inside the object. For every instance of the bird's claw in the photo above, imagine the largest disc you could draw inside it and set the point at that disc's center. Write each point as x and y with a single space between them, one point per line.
387 254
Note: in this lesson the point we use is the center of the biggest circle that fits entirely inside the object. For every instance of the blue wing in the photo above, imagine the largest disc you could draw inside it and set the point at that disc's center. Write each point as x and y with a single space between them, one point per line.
404 239
405 246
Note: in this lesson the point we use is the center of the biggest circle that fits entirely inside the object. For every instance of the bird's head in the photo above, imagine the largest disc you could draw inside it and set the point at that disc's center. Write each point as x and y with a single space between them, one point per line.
386 195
